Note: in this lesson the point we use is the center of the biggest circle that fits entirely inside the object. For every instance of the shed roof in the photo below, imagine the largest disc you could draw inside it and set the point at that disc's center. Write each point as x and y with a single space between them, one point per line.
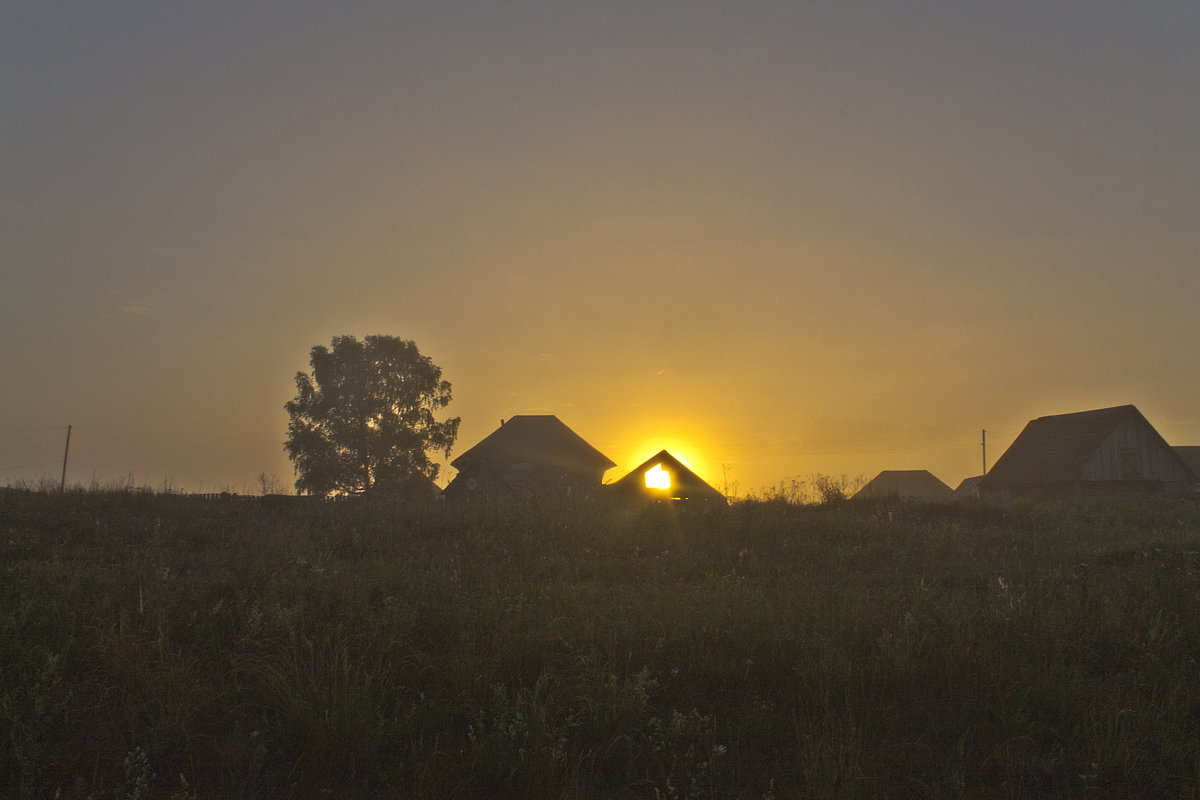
968 487
1190 455
916 484
534 439
1054 448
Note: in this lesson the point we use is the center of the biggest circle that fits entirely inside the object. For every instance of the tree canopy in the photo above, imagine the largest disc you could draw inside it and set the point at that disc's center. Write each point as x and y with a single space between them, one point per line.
364 419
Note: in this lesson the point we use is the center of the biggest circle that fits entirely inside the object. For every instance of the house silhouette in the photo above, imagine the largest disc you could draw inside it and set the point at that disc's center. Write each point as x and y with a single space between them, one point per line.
533 454
1107 453
907 484
664 477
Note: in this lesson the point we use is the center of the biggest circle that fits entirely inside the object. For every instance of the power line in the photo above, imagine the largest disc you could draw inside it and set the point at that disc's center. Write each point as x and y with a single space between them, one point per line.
134 435
42 433
28 466
31 430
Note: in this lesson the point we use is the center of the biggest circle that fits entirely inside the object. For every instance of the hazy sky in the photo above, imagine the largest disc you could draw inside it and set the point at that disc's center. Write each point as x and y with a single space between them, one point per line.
789 238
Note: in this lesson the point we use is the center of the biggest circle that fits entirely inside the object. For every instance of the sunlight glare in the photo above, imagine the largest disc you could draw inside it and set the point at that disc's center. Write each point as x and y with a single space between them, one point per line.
658 478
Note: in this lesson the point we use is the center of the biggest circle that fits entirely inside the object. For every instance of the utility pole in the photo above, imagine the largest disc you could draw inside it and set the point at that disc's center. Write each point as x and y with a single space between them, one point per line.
62 486
983 444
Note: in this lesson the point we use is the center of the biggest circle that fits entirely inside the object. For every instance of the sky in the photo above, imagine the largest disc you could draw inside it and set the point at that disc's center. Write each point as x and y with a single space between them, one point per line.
777 239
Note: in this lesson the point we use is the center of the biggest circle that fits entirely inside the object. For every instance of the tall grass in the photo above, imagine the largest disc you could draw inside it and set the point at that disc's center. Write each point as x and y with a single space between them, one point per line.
175 646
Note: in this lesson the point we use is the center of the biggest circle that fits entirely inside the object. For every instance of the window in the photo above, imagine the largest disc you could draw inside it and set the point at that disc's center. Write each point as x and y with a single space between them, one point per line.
658 478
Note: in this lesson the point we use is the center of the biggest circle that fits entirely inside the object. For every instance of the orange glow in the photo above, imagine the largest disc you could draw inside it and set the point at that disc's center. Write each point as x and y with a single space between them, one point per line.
682 446
658 478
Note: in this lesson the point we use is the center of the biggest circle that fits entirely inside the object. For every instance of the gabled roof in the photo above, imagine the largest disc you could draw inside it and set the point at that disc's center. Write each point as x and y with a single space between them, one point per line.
915 484
685 484
1054 449
534 439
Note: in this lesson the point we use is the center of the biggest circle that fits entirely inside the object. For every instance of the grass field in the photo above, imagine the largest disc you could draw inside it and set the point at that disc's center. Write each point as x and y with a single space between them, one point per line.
161 645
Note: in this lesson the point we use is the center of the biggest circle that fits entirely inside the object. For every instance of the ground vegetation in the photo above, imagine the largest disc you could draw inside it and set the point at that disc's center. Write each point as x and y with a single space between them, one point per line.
164 645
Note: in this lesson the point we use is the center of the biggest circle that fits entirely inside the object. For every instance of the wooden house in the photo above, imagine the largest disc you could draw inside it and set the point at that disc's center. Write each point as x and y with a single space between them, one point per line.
907 484
529 455
664 477
1108 453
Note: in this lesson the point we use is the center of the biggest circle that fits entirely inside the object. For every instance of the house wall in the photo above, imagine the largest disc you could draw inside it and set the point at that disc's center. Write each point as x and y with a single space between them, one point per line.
522 479
1130 490
1057 492
1134 452
1083 491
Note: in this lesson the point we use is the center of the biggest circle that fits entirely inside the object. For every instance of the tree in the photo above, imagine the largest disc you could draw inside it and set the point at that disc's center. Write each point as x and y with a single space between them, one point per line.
364 419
